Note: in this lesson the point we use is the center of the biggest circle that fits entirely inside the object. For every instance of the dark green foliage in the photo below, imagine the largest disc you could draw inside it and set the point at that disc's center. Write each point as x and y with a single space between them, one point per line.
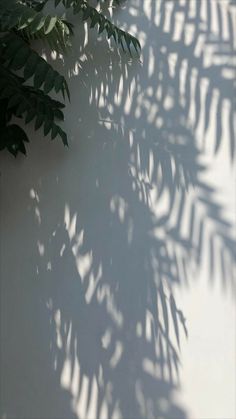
26 79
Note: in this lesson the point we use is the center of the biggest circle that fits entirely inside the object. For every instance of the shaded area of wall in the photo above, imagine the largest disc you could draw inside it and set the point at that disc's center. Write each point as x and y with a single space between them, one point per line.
103 245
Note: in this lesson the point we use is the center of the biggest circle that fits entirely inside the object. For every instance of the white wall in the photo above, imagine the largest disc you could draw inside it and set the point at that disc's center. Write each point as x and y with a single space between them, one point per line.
108 260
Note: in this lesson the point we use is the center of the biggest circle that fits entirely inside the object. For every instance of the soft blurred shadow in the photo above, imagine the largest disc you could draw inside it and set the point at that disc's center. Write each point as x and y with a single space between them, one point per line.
109 229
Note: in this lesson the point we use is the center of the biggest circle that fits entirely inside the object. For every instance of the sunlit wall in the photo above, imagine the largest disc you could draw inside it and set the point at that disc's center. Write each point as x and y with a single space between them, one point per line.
117 259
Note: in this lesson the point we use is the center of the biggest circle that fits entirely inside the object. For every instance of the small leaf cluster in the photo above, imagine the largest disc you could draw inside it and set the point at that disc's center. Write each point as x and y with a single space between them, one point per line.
27 79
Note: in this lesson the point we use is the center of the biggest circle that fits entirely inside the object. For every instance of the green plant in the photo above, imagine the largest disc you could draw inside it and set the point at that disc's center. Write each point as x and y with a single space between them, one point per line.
26 79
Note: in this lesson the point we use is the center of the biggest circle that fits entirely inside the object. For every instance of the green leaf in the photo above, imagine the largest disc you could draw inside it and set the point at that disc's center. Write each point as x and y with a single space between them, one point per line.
54 131
63 136
40 73
12 46
23 106
49 81
20 58
14 100
58 114
30 66
39 121
59 83
30 115
7 91
47 126
20 22
50 23
37 23
13 138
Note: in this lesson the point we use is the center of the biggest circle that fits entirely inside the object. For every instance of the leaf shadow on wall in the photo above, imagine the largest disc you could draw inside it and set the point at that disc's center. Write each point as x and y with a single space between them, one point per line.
131 218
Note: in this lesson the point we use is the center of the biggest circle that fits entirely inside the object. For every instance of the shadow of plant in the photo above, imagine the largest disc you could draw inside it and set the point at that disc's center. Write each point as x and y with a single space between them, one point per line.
113 246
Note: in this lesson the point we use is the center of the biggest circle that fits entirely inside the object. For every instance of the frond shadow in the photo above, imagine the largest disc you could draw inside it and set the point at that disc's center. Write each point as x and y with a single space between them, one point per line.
113 246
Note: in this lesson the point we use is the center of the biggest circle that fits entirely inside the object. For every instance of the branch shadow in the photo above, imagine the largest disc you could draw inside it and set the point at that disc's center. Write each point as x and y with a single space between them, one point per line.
106 229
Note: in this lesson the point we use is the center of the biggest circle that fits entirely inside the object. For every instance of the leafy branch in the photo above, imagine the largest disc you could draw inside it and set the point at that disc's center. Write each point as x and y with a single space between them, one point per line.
26 79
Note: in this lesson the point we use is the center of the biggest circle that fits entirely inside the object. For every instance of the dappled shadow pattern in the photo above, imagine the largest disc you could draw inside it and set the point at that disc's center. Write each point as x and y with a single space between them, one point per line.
113 245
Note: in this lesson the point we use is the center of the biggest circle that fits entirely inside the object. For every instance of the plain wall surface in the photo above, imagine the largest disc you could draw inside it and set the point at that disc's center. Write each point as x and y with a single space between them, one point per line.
117 257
